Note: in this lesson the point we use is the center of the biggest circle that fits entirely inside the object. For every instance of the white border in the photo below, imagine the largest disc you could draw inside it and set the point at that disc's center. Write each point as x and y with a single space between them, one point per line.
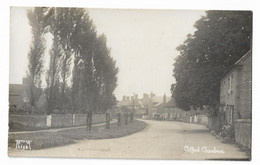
140 4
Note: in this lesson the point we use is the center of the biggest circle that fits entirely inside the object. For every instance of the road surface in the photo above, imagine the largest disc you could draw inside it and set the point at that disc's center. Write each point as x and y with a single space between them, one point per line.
159 140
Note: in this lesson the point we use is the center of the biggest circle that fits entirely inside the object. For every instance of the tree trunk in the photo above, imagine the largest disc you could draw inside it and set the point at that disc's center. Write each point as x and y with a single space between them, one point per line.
131 117
126 118
32 99
107 120
118 119
89 121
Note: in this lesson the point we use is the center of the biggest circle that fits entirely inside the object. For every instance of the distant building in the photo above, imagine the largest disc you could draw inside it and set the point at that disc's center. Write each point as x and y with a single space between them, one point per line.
129 103
236 99
143 107
169 109
17 95
19 98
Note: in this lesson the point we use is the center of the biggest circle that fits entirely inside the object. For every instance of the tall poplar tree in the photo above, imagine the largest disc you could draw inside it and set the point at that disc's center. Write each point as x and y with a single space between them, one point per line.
36 19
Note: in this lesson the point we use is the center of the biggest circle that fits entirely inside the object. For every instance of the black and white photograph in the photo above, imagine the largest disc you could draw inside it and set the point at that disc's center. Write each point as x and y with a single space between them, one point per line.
110 83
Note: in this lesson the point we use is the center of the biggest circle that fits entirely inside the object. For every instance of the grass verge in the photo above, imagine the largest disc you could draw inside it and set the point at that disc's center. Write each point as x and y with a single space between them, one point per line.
60 138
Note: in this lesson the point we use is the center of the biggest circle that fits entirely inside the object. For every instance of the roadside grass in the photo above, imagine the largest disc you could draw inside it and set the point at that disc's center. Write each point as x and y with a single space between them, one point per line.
20 126
64 137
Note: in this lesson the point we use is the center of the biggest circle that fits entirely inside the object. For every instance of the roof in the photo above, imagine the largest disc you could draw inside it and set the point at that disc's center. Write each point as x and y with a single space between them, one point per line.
237 63
16 89
159 99
171 103
145 101
192 112
129 103
161 104
19 90
16 95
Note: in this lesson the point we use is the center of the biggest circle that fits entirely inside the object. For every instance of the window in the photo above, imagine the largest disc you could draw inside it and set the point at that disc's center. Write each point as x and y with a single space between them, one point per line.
230 85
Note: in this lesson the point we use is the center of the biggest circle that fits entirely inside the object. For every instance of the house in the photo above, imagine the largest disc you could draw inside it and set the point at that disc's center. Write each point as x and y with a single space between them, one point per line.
144 107
190 116
130 103
169 109
19 98
151 102
159 104
236 99
202 117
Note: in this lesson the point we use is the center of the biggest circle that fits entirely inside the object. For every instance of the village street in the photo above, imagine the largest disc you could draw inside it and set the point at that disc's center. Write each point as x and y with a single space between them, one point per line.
159 140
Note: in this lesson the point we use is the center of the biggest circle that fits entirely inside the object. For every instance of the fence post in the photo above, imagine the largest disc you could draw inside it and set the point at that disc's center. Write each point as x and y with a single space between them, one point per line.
73 119
119 119
48 121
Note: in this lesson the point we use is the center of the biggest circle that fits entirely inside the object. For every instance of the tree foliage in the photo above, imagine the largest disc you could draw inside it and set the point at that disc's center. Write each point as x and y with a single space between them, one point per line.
220 39
77 53
53 73
36 19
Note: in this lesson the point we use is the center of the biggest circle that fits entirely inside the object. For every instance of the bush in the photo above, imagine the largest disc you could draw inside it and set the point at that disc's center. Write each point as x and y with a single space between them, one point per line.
227 131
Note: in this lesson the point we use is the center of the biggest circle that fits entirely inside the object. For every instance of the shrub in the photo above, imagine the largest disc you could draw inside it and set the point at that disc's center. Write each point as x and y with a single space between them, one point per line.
227 131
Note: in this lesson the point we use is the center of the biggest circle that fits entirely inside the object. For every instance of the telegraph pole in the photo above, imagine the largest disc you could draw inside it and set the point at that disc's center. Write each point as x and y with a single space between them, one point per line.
132 114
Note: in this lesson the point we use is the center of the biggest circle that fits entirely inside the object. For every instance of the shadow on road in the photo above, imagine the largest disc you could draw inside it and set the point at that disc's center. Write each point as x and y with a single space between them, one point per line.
194 131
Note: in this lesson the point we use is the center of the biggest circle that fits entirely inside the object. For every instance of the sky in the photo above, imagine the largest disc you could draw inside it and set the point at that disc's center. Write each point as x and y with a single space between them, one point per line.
143 43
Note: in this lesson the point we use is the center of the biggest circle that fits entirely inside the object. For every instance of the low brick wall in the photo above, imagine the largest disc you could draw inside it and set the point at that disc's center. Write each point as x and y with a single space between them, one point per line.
243 132
61 120
27 121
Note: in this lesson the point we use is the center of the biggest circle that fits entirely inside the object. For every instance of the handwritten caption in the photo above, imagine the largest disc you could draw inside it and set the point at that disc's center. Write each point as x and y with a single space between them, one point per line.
23 144
203 149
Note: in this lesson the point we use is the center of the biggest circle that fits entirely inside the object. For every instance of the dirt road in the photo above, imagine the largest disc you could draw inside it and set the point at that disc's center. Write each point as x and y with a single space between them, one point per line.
159 140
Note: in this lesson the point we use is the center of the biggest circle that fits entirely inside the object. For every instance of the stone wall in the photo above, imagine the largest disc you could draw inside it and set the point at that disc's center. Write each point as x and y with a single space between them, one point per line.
245 89
98 118
236 88
79 119
25 122
243 132
61 120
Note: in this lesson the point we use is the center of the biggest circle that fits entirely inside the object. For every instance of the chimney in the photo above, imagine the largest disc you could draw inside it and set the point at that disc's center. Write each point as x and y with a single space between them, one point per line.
136 97
132 97
164 98
123 97
145 95
127 98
